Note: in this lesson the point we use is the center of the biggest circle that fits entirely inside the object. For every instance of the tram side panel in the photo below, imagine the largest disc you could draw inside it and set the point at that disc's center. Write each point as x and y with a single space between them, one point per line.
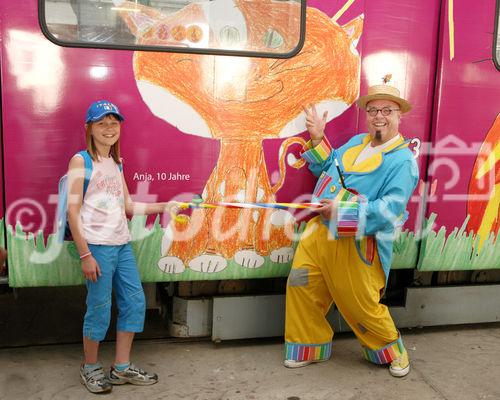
463 196
199 125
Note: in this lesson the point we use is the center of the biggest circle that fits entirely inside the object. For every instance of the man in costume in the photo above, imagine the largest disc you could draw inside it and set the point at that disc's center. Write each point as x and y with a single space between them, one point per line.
345 253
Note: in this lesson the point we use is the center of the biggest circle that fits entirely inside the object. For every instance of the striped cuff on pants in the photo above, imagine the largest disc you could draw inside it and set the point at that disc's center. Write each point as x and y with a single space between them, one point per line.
386 354
305 352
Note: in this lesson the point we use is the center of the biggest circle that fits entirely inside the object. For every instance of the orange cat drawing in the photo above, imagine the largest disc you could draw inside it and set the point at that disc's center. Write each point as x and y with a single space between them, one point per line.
240 102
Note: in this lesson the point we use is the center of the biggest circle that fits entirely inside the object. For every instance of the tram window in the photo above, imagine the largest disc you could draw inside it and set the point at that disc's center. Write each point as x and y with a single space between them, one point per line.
265 28
496 44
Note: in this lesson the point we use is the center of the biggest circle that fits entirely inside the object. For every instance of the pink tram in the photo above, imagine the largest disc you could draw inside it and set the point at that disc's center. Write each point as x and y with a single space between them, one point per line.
212 92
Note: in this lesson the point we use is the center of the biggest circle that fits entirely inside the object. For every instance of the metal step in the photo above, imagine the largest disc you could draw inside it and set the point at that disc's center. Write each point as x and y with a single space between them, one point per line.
241 317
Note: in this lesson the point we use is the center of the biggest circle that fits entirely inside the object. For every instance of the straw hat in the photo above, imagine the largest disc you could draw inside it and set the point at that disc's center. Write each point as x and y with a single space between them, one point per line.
384 92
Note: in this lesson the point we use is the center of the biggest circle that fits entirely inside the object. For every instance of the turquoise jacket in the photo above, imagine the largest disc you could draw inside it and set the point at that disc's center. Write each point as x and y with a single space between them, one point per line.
384 182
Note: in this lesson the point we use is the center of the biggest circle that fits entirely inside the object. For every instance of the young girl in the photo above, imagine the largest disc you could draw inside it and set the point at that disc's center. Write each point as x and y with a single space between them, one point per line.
99 227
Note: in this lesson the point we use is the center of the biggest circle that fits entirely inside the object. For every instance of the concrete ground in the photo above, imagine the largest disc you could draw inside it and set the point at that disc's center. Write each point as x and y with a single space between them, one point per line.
453 363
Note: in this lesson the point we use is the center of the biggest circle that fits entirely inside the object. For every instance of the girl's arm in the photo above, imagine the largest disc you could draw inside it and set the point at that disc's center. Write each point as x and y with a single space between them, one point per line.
136 208
76 176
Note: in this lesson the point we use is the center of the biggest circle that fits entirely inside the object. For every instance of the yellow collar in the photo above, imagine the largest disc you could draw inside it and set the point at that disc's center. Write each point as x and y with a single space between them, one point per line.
371 163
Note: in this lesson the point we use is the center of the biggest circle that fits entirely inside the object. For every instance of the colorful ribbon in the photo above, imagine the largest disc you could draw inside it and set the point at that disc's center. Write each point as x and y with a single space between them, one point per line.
280 206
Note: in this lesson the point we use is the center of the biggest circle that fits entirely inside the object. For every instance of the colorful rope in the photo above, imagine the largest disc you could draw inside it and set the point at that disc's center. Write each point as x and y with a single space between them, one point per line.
280 206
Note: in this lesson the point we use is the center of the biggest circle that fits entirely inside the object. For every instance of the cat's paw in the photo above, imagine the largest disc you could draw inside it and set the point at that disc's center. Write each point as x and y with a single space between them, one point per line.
171 265
248 259
208 263
282 255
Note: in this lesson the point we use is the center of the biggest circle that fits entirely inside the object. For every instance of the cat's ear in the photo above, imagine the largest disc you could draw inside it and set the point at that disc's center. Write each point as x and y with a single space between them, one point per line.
354 29
138 18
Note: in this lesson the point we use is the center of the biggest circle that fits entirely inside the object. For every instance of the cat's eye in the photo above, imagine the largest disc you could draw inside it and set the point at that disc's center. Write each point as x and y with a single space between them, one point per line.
273 39
229 36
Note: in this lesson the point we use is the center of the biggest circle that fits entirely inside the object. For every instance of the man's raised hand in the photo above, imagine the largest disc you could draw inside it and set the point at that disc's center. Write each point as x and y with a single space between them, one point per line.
314 124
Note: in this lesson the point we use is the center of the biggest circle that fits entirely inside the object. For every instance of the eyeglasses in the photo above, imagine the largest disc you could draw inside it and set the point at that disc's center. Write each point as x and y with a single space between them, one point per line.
385 111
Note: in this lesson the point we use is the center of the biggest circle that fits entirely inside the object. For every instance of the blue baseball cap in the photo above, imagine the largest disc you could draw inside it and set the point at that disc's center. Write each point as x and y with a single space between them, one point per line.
101 108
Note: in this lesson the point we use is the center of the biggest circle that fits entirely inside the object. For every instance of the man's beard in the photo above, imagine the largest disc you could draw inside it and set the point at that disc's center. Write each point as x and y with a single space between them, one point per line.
378 135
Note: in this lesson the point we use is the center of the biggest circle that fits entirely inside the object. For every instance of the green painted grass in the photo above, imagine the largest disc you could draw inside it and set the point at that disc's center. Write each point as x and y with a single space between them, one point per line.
2 235
27 261
405 251
457 251
34 263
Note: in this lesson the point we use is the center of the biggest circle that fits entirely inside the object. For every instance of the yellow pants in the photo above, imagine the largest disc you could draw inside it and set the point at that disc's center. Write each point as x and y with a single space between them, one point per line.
344 272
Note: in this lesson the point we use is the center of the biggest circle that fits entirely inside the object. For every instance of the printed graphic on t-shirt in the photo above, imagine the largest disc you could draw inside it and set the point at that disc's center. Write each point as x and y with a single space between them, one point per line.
110 186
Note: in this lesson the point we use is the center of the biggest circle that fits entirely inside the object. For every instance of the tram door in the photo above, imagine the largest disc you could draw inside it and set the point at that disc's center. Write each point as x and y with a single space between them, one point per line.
463 194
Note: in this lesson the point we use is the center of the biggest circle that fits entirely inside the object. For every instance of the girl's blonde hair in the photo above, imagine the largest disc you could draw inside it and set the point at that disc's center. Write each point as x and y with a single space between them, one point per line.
92 150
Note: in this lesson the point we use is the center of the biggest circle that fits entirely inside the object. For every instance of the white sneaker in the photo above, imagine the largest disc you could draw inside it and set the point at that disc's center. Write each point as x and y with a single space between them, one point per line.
400 366
94 379
299 364
133 375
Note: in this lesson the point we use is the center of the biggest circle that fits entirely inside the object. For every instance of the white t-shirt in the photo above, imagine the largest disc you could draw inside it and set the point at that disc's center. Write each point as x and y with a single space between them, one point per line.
103 209
370 150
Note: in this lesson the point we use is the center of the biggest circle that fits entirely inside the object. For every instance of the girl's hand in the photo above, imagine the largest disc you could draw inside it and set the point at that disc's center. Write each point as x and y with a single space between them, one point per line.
172 207
328 210
90 268
314 124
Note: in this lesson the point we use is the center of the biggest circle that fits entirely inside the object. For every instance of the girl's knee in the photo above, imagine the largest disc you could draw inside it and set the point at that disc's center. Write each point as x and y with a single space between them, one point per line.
138 301
131 312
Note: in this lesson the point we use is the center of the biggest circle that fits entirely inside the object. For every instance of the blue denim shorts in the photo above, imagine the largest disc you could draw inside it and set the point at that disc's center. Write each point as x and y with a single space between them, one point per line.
119 273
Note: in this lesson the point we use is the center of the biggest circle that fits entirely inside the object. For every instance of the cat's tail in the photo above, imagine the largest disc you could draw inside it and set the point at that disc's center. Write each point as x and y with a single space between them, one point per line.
292 160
